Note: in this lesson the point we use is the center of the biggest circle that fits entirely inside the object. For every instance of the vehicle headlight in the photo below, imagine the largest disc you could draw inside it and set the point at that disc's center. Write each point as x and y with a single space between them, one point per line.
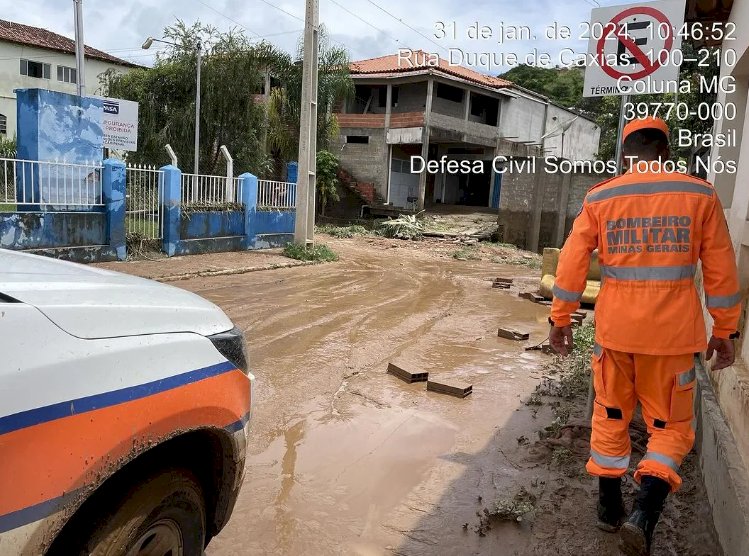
231 345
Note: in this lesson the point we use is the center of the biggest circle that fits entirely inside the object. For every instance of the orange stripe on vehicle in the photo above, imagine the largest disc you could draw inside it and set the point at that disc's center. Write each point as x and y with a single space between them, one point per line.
46 460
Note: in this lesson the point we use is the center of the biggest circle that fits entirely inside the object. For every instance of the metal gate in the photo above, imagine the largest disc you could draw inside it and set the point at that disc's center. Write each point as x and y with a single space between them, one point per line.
143 217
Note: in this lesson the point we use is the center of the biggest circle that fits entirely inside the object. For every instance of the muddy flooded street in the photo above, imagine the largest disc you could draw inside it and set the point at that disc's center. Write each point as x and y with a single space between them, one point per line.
347 459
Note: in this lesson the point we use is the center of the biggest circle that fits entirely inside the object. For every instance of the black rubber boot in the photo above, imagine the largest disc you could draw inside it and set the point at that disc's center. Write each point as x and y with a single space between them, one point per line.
610 504
637 532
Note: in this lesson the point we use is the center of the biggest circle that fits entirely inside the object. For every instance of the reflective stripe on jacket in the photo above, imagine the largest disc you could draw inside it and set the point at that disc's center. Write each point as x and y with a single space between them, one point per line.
651 230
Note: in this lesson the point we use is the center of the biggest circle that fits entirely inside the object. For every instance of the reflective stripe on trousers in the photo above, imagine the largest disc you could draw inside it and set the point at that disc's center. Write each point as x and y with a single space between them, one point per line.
611 462
661 458
686 377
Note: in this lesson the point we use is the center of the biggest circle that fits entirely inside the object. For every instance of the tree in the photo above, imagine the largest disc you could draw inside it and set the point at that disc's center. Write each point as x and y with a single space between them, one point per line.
284 109
233 70
327 179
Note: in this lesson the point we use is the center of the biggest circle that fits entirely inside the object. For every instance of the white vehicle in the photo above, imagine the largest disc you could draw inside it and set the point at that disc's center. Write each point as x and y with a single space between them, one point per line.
124 408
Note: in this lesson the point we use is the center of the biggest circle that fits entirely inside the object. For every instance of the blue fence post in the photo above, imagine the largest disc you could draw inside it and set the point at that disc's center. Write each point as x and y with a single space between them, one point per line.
170 208
248 183
113 193
292 172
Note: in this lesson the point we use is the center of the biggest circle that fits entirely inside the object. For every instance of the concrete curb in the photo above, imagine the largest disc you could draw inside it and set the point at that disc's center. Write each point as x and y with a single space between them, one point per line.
723 471
228 271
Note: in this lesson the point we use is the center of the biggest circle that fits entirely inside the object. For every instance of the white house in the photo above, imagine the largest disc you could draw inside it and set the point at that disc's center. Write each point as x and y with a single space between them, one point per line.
31 57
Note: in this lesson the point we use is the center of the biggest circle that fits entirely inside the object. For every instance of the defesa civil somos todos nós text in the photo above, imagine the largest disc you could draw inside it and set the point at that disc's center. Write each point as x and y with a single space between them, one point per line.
551 164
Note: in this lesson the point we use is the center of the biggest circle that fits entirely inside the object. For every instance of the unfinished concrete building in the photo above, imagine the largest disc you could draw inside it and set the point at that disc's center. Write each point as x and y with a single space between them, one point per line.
416 104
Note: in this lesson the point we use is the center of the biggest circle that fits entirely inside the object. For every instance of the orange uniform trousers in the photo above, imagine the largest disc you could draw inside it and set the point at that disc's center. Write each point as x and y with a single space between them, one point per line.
664 386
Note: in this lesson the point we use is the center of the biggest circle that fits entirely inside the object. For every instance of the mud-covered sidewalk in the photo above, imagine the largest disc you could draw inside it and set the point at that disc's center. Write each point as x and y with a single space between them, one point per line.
346 459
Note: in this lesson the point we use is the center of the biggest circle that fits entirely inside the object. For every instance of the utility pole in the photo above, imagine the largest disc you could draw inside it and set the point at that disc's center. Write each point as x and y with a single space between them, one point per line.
619 133
197 110
80 49
304 229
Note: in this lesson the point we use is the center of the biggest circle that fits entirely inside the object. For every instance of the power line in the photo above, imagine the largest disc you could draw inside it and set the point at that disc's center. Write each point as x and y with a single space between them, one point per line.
227 17
365 21
407 25
282 10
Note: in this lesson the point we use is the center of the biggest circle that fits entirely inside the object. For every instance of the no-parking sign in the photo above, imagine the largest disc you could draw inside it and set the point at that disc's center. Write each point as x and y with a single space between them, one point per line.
634 49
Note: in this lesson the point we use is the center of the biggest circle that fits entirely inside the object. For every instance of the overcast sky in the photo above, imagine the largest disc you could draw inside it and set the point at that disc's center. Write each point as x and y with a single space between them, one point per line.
120 27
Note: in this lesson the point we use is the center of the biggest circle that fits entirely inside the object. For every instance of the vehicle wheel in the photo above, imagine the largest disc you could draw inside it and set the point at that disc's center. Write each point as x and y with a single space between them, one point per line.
161 516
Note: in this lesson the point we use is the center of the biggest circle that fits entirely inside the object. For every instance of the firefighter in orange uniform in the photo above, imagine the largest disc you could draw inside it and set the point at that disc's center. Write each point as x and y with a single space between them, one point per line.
651 228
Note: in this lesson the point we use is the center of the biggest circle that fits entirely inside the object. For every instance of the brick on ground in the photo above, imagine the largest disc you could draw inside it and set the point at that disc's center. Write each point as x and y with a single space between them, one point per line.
450 387
512 333
406 376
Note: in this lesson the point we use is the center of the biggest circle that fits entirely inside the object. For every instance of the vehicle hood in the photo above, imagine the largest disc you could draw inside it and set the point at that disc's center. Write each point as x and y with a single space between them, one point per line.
90 302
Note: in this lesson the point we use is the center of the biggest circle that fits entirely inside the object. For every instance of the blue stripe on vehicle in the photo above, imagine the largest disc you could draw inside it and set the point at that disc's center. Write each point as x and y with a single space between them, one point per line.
68 408
37 512
237 426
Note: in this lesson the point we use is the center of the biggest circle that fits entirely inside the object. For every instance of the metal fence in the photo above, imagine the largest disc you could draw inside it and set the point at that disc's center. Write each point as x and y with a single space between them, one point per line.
143 216
50 185
211 192
275 195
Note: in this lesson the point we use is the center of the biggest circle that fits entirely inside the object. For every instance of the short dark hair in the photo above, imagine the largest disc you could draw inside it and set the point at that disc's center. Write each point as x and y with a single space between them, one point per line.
646 143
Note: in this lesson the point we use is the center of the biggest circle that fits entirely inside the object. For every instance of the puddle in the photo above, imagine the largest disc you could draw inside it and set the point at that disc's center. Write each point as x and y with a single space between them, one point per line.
330 479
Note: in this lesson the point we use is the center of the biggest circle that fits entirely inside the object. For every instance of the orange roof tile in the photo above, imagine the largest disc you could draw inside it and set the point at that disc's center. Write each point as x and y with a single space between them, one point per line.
36 36
422 61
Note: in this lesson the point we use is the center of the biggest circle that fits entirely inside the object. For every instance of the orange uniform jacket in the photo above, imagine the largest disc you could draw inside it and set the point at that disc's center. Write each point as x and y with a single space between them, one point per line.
651 229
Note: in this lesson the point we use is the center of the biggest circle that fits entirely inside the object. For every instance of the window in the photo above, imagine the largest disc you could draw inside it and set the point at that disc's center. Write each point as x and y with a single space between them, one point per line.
35 69
448 92
66 74
3 124
361 139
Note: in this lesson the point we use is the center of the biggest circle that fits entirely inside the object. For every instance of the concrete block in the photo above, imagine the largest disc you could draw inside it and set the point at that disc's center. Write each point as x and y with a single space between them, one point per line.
512 334
405 375
450 387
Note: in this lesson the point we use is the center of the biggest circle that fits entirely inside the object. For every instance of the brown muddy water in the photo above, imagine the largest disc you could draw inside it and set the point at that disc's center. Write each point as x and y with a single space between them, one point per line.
346 459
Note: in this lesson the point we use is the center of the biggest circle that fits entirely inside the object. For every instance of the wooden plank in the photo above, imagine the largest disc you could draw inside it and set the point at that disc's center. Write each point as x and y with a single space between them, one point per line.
512 334
449 387
405 375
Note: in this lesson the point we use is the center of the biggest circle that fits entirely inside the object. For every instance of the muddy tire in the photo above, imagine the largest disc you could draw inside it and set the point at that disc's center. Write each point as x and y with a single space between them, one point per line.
163 515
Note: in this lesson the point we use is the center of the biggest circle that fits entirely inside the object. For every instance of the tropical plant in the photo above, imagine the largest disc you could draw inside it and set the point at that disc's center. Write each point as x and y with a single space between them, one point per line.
7 148
327 179
284 109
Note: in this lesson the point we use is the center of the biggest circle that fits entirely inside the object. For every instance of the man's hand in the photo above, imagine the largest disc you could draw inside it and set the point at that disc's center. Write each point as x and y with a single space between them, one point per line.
560 339
725 350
